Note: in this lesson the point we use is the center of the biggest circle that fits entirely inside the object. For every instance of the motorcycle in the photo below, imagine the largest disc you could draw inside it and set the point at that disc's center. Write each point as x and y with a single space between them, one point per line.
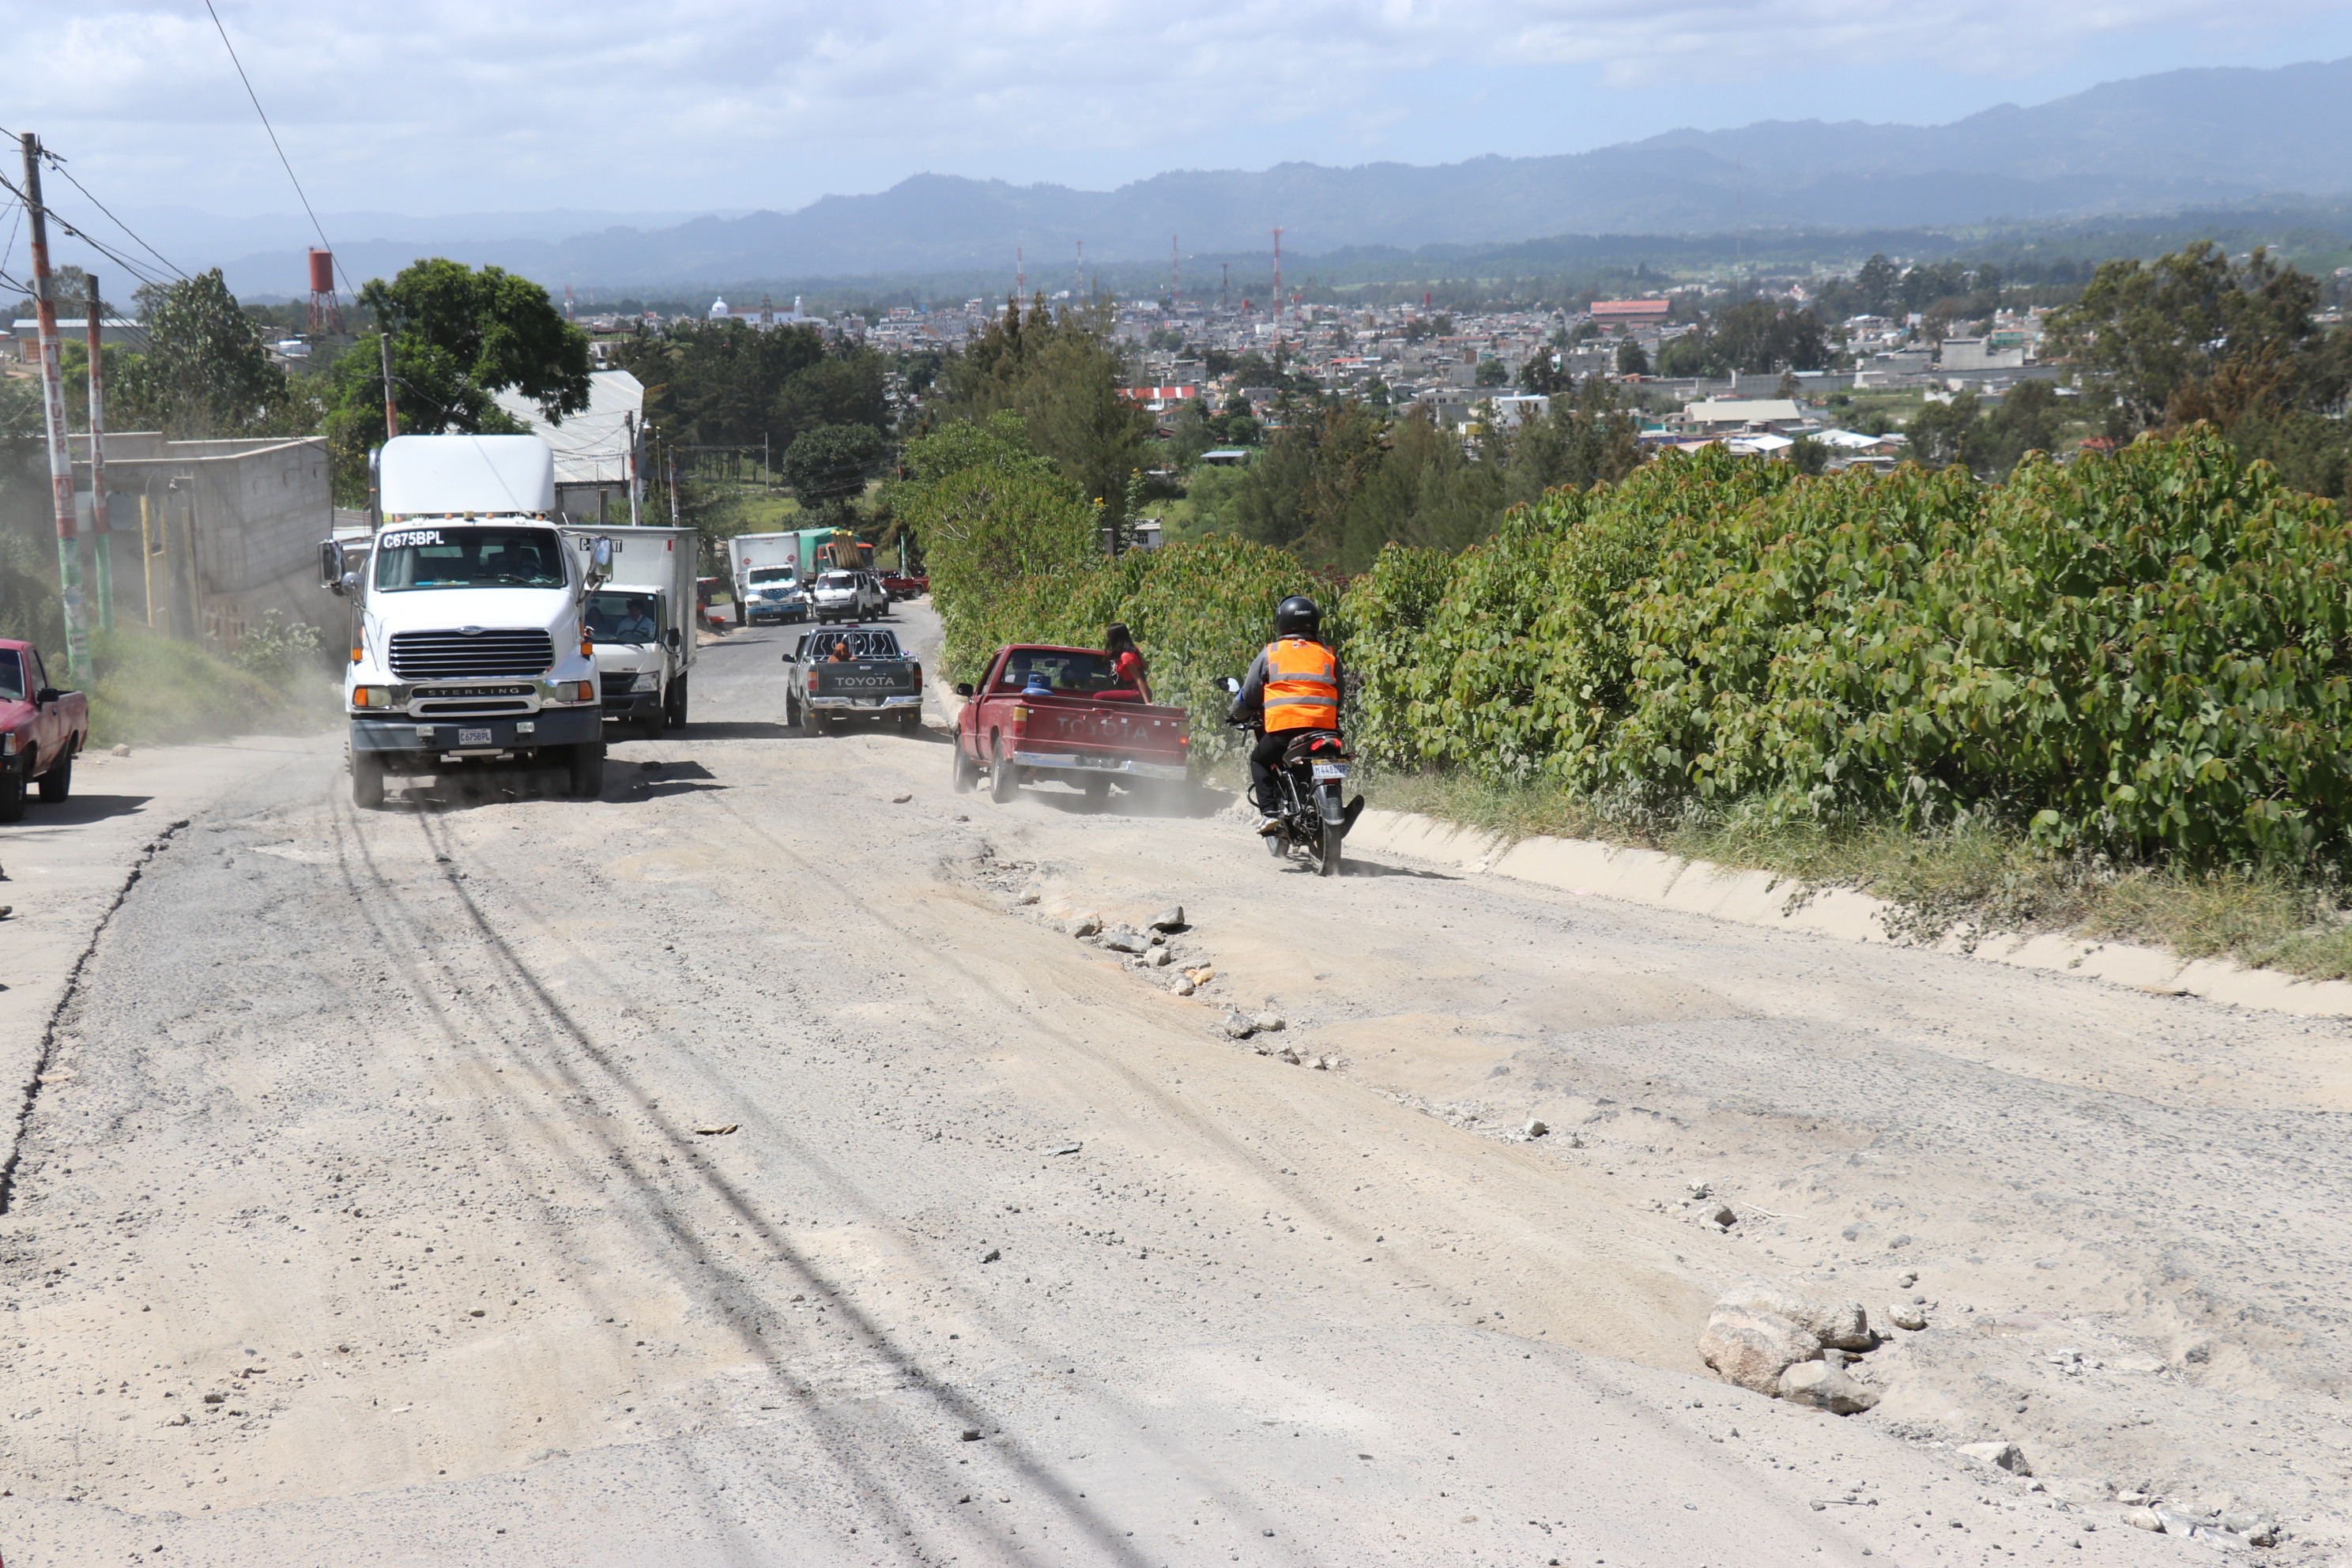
1307 785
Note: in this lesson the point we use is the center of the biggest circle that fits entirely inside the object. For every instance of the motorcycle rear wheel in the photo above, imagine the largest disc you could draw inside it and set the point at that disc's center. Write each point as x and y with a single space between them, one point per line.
1330 849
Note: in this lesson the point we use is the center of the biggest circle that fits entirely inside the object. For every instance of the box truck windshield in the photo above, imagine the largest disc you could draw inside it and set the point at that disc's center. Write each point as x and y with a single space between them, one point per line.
468 557
620 617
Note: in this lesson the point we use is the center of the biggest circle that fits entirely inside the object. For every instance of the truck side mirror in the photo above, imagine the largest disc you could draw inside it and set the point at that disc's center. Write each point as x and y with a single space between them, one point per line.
46 695
602 556
964 688
350 585
670 637
330 566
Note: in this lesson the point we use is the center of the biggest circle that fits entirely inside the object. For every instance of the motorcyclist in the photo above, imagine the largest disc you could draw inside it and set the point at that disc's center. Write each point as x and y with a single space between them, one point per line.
1293 685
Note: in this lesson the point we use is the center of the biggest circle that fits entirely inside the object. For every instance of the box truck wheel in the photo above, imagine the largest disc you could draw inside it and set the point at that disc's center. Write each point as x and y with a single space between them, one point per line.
587 770
367 781
676 703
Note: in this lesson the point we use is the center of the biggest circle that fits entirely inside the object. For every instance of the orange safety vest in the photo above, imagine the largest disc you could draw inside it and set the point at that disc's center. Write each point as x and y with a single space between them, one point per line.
1302 686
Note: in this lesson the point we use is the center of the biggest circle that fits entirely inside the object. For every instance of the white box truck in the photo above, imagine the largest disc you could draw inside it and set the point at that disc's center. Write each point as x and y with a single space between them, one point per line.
470 640
766 571
641 620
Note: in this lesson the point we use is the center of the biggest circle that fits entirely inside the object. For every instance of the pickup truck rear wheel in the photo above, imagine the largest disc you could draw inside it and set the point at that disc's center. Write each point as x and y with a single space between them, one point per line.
1097 787
812 722
58 783
1002 782
367 781
12 798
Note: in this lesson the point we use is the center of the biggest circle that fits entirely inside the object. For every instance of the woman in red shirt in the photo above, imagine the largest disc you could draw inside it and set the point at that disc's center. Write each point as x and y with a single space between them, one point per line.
1126 664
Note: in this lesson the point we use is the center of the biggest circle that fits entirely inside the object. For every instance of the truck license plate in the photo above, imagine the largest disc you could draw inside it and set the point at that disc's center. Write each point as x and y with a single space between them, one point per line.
473 737
1330 770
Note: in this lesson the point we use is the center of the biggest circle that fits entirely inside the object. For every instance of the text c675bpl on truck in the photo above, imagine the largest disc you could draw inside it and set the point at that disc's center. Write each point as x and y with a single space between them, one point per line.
470 644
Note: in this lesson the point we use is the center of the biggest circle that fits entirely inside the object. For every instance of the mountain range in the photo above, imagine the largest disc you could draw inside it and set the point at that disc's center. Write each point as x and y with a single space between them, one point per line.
2181 139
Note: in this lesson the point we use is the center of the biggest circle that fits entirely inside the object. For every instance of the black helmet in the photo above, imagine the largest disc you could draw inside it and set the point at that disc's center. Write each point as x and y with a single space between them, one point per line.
1298 617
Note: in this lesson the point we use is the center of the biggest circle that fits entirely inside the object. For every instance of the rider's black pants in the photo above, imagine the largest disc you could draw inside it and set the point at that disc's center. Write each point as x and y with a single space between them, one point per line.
1265 757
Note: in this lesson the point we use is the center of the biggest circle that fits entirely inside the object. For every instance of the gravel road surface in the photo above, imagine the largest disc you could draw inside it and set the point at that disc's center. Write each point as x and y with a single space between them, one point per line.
749 1167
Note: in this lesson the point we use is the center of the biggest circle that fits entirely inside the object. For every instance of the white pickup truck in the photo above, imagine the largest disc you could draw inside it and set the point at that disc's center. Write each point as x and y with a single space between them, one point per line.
470 640
848 596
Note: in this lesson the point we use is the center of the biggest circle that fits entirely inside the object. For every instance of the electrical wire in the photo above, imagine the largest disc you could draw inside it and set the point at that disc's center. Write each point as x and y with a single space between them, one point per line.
272 131
59 166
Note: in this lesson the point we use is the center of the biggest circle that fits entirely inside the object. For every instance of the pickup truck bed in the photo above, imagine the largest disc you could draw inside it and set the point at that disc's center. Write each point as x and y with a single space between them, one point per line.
878 683
1047 712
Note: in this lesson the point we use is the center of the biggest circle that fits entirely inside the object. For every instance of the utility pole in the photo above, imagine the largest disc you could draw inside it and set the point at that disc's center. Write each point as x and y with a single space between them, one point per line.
61 496
629 424
101 539
390 409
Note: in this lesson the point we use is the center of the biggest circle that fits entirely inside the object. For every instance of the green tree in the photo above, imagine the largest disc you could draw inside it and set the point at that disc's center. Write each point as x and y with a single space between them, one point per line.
458 338
831 463
1062 374
1634 360
715 384
204 371
1491 373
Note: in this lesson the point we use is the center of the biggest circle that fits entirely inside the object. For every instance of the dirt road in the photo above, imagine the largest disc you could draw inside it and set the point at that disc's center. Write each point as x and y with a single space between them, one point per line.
736 1170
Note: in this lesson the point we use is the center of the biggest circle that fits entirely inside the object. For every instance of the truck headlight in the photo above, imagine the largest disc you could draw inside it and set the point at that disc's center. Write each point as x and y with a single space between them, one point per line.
8 744
372 696
644 682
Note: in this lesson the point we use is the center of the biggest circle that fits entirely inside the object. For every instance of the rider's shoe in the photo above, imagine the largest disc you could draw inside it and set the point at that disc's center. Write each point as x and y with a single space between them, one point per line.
1268 827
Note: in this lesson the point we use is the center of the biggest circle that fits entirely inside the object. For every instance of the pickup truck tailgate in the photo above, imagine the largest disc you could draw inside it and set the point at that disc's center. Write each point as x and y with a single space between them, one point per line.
866 677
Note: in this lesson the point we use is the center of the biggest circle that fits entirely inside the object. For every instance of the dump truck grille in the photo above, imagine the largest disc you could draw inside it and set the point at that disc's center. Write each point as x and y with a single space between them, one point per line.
446 656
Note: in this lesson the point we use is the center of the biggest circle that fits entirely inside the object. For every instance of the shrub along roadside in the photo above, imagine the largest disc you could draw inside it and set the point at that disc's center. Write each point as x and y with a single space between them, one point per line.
154 690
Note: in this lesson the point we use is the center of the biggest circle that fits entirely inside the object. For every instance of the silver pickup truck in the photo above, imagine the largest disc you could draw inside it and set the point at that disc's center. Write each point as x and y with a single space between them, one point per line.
876 681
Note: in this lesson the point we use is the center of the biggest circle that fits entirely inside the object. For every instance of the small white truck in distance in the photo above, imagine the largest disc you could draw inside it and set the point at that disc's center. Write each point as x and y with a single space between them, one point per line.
762 567
469 643
641 620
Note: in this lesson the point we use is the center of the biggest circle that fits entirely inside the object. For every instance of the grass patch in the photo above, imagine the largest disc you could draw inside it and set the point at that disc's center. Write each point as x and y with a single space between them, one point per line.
1973 881
152 690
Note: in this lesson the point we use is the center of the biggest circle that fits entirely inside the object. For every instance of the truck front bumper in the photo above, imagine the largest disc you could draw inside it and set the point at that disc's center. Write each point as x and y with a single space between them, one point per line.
633 705
1119 767
479 737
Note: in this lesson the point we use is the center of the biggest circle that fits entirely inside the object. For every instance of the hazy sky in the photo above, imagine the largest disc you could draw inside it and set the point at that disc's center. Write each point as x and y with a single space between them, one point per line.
431 106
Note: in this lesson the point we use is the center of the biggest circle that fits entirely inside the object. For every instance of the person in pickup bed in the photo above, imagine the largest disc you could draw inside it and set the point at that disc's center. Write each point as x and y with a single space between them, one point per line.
1128 672
841 651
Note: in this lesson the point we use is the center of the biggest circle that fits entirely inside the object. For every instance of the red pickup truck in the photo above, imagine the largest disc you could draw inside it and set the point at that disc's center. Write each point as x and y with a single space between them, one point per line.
899 585
1059 713
41 729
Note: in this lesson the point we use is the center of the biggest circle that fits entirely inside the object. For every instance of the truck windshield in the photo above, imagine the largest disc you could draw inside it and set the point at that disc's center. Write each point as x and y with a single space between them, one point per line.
623 617
771 574
12 676
838 580
465 556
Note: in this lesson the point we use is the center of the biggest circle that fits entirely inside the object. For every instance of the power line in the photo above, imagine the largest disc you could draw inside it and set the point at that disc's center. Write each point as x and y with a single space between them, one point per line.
272 130
135 269
59 166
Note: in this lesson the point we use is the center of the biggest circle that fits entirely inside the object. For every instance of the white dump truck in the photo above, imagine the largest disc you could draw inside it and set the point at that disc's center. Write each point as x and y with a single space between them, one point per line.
469 640
641 620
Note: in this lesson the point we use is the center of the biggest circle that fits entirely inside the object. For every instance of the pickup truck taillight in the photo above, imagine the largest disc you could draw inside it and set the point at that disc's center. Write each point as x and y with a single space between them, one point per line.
812 679
1020 718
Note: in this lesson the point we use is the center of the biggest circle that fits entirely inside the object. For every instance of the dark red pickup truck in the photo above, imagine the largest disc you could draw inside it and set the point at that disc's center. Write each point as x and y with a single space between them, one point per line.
41 729
1058 714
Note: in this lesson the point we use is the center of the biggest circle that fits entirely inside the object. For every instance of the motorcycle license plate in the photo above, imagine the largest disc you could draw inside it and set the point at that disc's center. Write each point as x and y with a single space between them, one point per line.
1330 770
473 737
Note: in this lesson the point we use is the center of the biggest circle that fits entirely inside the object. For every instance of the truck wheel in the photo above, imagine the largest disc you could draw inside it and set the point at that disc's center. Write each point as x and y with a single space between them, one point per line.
910 724
651 729
367 781
965 771
812 722
12 798
1001 784
1097 787
678 703
738 612
58 783
584 778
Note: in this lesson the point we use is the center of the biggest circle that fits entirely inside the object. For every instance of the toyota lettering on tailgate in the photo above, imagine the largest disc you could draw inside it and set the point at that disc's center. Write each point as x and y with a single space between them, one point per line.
864 680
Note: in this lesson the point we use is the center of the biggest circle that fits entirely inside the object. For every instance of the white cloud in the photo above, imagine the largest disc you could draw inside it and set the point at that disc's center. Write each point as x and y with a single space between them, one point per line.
442 105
